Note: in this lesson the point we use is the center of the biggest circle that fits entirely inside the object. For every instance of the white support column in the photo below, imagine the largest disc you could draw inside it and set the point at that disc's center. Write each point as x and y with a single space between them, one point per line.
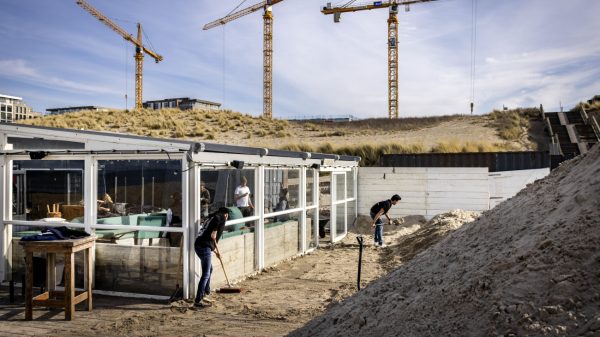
5 214
90 206
316 195
355 182
303 243
90 195
333 209
259 207
190 185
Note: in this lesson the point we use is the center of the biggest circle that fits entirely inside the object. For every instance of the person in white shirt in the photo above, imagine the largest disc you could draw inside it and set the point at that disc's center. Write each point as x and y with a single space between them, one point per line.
242 198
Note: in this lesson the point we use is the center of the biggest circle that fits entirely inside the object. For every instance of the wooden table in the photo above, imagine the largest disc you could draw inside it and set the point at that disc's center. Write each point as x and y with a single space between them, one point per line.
52 298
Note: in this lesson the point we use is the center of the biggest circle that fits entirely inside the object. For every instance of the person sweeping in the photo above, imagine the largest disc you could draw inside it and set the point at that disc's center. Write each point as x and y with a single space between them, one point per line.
206 243
379 209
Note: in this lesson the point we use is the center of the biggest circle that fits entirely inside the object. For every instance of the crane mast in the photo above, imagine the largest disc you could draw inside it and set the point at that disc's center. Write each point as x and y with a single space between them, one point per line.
392 40
140 49
267 47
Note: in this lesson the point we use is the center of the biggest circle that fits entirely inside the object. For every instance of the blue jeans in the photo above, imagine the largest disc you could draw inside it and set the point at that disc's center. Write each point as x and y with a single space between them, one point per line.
378 229
205 255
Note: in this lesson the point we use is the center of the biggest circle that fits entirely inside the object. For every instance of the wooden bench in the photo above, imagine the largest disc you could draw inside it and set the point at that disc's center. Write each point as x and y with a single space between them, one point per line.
52 298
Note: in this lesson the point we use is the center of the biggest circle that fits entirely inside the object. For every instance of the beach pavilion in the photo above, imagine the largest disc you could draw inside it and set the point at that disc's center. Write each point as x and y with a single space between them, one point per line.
143 200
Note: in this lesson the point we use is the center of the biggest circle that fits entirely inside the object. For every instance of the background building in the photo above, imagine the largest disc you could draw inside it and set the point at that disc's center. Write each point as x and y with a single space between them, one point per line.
183 103
13 109
58 111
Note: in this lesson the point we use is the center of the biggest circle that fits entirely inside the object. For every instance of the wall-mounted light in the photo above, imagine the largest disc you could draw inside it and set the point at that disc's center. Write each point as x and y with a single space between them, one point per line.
238 164
37 154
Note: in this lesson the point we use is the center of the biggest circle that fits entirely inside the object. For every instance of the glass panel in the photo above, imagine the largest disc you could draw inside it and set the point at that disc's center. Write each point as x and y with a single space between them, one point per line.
39 260
139 193
350 184
151 270
351 216
340 186
47 189
310 187
340 220
282 189
237 248
310 225
222 184
282 237
324 204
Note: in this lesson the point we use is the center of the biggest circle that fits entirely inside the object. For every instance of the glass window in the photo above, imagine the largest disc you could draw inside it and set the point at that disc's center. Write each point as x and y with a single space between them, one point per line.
282 189
340 186
232 188
48 189
350 184
139 193
340 219
351 216
282 237
310 187
324 205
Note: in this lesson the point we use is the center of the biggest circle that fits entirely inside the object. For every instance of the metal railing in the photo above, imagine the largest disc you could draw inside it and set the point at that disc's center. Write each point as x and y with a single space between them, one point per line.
591 120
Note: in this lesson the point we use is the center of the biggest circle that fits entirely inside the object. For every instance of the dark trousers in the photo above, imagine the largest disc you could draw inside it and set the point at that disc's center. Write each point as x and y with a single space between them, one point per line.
205 256
378 229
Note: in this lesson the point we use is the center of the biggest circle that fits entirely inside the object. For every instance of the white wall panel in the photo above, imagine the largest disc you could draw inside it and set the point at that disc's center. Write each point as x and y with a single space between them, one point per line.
504 185
432 190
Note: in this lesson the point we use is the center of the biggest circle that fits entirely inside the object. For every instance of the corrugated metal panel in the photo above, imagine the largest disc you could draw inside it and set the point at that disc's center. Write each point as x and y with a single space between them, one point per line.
494 161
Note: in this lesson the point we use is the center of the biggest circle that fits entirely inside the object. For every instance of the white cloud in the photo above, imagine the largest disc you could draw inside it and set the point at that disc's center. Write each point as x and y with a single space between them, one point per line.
19 70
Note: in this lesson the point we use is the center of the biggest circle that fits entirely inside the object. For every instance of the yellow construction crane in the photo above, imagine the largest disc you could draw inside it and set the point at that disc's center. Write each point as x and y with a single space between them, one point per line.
392 38
267 47
139 47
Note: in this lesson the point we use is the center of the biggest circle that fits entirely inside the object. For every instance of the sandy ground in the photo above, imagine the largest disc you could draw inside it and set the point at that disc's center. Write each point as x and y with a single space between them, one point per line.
528 267
273 303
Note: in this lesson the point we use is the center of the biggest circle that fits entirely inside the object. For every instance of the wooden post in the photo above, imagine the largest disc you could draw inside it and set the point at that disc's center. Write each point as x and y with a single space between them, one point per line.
88 275
29 285
51 272
69 286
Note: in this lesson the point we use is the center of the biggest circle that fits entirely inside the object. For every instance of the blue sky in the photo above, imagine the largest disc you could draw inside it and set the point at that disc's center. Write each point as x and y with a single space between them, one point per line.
528 52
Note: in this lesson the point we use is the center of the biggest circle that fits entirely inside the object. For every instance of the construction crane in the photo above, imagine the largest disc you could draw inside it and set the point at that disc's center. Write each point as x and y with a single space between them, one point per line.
267 47
140 49
392 38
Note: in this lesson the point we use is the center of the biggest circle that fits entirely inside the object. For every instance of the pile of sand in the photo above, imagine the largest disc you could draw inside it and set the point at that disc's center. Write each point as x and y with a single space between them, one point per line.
529 267
428 234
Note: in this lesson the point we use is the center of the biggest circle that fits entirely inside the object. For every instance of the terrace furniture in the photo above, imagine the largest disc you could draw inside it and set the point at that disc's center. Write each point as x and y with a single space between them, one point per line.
53 298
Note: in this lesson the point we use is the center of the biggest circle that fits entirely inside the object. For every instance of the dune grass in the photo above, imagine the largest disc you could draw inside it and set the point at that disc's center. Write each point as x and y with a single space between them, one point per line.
513 125
370 154
210 124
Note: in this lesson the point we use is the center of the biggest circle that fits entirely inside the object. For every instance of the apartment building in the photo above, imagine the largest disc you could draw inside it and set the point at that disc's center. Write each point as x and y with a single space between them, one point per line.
13 109
183 103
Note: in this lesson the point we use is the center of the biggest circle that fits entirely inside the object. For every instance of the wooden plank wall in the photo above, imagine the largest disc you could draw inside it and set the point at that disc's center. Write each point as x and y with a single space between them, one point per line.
424 191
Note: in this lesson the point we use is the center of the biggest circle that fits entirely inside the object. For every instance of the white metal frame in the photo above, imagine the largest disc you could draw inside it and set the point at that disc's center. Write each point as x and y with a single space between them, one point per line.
191 164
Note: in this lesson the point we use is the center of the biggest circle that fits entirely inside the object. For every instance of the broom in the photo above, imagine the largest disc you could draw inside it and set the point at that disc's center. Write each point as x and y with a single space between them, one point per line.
229 289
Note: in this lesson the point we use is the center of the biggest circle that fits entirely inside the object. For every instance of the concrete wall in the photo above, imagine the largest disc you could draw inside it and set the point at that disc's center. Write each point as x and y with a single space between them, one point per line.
154 270
237 253
504 185
431 191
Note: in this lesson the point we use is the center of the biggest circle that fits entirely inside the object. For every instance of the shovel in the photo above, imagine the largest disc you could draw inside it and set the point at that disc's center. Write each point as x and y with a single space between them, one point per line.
229 289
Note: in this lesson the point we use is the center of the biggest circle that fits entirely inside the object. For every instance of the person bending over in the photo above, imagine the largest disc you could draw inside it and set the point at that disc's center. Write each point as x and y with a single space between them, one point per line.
379 209
206 243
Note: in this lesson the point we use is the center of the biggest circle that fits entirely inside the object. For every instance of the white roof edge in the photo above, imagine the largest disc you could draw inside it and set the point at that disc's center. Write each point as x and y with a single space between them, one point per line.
11 97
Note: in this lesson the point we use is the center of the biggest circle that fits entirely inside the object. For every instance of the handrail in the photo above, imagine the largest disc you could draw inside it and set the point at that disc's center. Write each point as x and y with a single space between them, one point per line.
584 115
595 127
549 126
